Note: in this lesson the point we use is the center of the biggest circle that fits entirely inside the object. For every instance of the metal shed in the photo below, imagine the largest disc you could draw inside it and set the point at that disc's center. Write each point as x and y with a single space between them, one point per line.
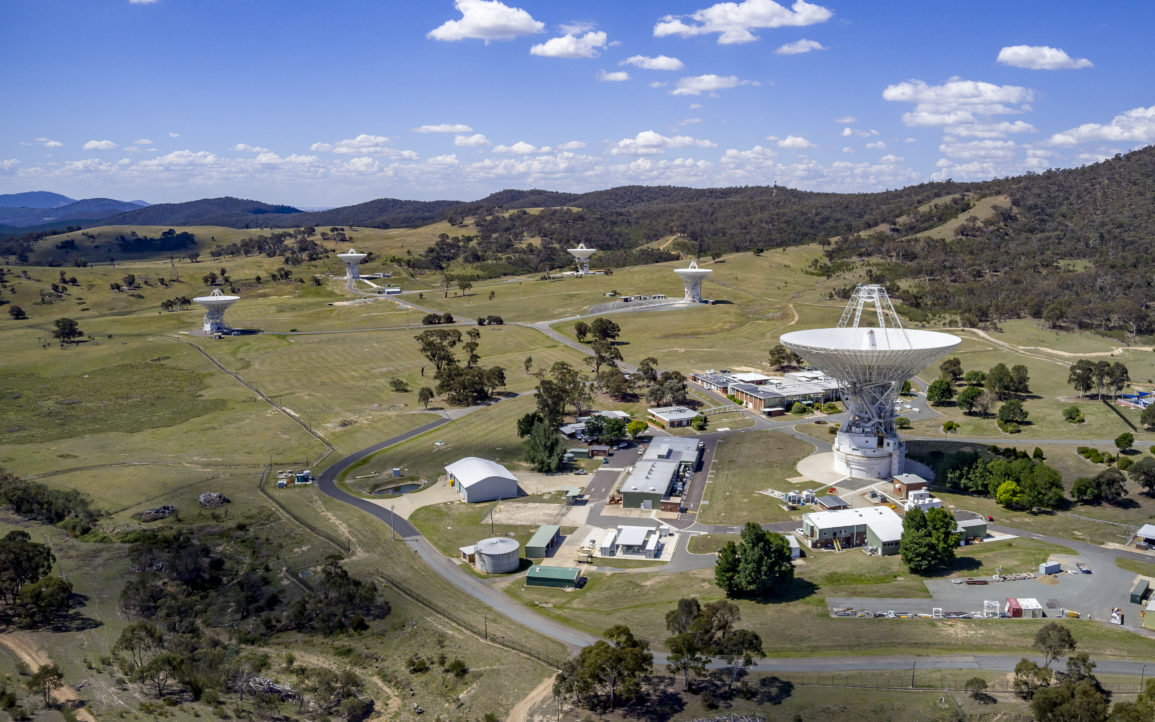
1139 591
560 577
543 541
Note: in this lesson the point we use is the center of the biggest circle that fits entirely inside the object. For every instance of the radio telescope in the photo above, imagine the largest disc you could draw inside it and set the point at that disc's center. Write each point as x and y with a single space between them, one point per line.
870 365
692 278
216 303
582 255
352 261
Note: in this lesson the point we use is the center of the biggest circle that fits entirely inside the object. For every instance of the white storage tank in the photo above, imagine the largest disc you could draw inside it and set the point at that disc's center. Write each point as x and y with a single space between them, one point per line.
497 555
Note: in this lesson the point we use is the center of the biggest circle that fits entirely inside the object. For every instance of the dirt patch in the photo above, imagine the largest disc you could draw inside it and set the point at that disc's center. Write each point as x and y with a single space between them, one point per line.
1050 580
529 513
524 711
24 647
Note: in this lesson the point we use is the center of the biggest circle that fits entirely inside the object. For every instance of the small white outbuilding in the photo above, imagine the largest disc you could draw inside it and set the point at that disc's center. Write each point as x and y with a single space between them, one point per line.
478 479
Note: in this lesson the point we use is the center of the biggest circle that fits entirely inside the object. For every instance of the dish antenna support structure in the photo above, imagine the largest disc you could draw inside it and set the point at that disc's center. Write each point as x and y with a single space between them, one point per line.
870 365
581 256
692 279
352 261
215 305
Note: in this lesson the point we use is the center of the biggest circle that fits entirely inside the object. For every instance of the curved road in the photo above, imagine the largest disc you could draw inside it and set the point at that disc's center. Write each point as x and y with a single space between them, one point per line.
575 639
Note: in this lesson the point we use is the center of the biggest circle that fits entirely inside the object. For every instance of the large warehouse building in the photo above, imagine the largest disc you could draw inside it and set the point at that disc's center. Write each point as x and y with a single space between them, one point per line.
479 479
658 479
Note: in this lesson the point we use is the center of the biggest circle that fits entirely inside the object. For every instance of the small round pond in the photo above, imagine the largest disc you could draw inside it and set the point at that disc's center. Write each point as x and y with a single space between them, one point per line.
399 489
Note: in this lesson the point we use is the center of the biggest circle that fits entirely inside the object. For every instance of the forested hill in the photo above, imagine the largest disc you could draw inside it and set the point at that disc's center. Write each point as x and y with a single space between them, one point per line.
227 211
238 213
1074 248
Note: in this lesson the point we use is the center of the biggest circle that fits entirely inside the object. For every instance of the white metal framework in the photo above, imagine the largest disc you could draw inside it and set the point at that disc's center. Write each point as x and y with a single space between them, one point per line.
581 256
215 305
352 261
692 278
870 365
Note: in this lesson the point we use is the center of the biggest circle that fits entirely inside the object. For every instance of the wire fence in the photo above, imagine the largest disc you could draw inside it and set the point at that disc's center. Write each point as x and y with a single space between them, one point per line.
931 680
469 624
343 546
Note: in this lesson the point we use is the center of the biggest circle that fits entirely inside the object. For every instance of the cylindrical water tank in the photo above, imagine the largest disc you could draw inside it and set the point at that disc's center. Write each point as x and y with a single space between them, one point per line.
497 555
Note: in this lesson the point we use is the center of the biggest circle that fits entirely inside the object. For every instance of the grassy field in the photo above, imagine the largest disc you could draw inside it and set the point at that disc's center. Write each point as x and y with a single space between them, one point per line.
743 466
456 524
799 620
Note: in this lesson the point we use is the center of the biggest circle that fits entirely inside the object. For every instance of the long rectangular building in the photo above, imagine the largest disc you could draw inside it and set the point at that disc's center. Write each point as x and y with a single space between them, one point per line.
877 527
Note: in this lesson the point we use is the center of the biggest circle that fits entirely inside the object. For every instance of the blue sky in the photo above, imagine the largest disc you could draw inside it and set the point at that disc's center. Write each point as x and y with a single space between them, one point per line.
322 104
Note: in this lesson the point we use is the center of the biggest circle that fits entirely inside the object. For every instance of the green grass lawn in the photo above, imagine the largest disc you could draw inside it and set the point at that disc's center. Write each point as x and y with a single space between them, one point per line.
490 433
744 465
456 524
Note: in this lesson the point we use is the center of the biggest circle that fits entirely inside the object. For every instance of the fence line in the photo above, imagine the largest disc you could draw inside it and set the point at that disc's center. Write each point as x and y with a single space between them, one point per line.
344 547
1118 413
499 640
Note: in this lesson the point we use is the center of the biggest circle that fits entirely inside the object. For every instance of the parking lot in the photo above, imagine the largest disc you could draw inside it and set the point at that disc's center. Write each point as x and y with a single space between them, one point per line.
1092 595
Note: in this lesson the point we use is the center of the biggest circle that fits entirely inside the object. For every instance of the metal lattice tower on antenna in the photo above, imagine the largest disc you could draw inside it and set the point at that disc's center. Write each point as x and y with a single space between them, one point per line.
870 364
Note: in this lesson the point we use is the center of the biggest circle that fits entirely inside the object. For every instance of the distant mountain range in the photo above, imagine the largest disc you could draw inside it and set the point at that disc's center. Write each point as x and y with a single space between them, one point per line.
37 209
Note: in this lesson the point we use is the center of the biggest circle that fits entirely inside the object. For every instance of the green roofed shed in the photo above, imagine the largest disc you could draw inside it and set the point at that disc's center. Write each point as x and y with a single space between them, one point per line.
561 577
543 541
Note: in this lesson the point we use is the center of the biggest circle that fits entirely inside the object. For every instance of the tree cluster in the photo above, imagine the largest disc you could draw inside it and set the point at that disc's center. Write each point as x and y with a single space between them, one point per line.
461 384
701 632
606 673
1035 484
928 540
757 565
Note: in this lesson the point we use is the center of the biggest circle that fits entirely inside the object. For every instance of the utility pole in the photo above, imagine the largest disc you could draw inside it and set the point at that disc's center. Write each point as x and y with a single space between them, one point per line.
912 666
392 529
486 627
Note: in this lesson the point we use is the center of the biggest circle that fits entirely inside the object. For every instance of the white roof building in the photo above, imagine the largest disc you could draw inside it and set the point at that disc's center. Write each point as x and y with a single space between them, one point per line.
874 526
673 416
751 378
1147 531
480 479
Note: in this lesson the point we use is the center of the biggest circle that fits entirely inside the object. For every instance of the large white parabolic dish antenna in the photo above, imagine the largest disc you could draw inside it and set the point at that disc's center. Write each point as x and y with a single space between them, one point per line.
870 365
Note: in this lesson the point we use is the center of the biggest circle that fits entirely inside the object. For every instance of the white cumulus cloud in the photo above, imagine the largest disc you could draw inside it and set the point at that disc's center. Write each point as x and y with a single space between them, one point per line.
617 76
518 148
661 62
363 144
735 21
847 132
799 46
846 119
649 142
100 145
49 143
445 128
989 130
698 84
572 145
486 20
1040 57
1136 126
246 148
470 141
957 100
876 145
795 142
571 46
142 141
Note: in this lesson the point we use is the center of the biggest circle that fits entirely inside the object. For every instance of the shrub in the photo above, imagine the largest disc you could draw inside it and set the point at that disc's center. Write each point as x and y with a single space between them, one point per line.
1124 464
799 409
830 408
950 426
1073 415
1008 427
902 422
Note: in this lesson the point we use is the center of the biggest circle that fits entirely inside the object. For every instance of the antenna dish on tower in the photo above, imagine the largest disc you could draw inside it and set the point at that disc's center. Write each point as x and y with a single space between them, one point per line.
870 365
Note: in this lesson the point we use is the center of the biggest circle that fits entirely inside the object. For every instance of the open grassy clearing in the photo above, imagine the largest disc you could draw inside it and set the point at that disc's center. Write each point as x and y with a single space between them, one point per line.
339 383
1033 335
490 433
1147 570
743 466
799 620
983 209
853 573
455 524
105 427
1050 394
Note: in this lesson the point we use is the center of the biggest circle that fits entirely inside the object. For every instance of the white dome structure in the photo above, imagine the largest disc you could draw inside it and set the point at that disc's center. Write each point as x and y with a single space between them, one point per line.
582 255
352 261
497 555
870 365
215 304
692 278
